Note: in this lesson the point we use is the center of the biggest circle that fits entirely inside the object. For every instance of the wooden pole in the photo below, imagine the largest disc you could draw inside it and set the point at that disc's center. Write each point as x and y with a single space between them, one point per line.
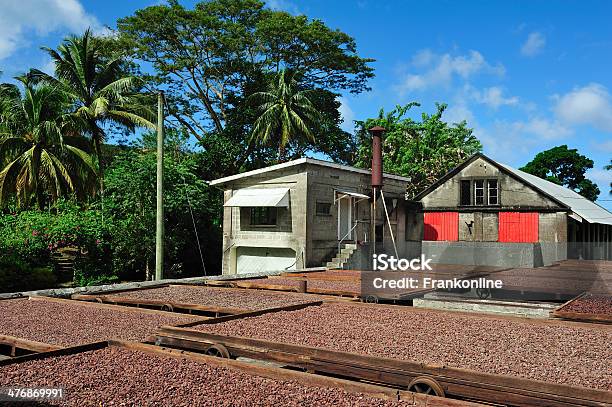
159 224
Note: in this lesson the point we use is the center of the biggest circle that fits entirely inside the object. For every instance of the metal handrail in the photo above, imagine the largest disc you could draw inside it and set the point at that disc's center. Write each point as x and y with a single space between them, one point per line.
348 233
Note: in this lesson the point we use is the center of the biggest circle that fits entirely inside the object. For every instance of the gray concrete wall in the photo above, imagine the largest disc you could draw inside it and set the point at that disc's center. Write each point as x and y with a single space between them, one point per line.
322 231
552 234
484 253
512 193
290 231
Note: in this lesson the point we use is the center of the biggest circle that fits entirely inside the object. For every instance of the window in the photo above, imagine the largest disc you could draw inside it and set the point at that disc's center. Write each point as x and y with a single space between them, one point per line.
323 208
466 194
263 216
492 192
479 192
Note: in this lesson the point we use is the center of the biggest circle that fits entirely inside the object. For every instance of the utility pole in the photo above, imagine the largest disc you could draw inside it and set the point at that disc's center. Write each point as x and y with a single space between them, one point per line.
159 224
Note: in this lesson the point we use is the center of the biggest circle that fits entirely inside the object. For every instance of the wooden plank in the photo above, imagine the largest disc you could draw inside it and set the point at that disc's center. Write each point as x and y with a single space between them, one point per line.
580 316
120 300
584 317
117 308
264 286
27 344
58 352
392 371
251 314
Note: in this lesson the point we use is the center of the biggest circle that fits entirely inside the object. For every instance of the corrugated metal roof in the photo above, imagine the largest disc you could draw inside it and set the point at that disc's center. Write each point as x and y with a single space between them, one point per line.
299 161
251 197
588 210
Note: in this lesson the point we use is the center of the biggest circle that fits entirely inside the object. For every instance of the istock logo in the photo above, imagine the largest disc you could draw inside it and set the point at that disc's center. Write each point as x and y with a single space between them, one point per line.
383 262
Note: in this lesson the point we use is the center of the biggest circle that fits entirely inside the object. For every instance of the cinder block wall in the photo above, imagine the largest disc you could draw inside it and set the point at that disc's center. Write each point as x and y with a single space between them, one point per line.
290 231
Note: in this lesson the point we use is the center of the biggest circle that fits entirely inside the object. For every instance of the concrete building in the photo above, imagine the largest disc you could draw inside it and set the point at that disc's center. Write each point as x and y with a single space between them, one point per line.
305 213
486 213
312 213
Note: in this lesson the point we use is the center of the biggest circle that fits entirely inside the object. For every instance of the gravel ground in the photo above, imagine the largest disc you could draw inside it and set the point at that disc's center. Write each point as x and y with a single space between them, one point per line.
569 354
115 376
352 286
70 324
221 297
591 304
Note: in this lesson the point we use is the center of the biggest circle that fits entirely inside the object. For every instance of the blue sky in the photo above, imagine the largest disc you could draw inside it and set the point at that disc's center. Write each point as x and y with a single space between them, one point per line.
527 76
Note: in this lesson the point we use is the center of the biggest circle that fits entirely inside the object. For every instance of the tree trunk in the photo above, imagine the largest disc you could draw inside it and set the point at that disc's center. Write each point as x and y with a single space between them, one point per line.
281 153
35 177
147 270
98 150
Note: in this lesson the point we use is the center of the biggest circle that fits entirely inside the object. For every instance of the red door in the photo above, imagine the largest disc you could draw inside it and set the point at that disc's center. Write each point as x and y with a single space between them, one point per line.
441 226
518 227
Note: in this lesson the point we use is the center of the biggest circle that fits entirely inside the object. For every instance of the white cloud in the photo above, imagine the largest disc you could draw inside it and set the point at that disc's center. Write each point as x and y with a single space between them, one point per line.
21 20
516 141
545 128
494 97
587 105
283 5
347 114
459 112
534 44
439 70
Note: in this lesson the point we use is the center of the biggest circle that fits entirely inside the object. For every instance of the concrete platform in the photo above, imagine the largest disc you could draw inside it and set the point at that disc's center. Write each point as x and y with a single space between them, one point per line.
513 308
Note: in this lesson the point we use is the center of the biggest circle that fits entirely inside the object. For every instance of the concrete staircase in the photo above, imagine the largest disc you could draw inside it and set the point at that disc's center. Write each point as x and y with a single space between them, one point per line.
342 257
64 261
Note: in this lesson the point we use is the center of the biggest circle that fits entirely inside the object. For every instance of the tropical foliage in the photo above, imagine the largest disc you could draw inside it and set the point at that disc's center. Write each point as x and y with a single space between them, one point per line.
189 205
285 112
422 150
42 156
564 166
94 79
211 58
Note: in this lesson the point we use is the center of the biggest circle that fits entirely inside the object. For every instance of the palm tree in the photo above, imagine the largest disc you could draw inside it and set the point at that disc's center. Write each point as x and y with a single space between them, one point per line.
285 112
41 158
99 87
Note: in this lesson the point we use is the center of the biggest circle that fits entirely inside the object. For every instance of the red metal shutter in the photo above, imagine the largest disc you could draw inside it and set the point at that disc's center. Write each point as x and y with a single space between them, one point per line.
518 227
440 226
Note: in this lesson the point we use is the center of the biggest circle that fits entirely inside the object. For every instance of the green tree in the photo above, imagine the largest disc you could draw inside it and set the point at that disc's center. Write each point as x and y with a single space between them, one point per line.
566 167
211 58
41 157
129 204
285 113
422 150
95 80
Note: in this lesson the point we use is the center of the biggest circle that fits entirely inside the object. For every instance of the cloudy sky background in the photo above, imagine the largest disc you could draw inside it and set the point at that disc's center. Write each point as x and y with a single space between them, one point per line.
527 76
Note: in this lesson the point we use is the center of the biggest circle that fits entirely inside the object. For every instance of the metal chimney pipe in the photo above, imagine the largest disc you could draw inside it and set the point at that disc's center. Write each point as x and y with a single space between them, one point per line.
377 180
377 163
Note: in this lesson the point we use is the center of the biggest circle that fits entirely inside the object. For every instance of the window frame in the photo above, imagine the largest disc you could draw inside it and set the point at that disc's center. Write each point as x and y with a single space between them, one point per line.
489 192
469 192
272 213
485 191
476 189
329 210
